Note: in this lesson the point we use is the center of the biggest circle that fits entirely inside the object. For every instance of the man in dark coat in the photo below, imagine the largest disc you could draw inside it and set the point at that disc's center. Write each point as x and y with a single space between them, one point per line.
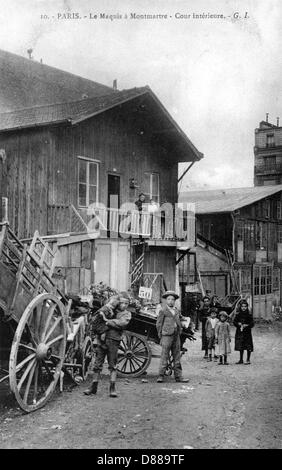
204 313
169 330
244 323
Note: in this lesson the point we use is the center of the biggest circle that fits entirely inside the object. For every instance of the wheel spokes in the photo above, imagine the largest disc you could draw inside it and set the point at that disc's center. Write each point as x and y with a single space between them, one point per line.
27 346
54 340
29 382
24 376
54 326
27 359
48 319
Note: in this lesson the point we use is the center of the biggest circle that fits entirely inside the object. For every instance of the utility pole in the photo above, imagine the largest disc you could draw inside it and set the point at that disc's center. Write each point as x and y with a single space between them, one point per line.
3 177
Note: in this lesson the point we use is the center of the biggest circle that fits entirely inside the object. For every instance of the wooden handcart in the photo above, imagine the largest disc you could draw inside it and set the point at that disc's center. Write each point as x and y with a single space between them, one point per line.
135 352
39 341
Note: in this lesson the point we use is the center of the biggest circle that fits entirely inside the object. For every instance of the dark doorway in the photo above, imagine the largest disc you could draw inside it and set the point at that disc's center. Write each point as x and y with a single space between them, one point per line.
114 191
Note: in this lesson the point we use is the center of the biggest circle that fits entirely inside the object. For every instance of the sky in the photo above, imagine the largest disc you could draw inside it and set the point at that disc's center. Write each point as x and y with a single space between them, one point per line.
217 77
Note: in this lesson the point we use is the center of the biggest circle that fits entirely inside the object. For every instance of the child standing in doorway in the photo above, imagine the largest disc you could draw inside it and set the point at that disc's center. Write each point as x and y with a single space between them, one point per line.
223 338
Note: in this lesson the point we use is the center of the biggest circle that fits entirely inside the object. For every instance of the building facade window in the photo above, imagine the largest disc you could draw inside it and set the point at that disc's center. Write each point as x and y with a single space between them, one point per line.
261 235
279 210
276 278
249 235
246 279
270 140
279 233
262 280
266 209
152 187
88 182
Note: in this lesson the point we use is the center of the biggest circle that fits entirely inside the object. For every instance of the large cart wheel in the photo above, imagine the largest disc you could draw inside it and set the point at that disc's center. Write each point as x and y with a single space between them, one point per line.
87 354
134 355
37 352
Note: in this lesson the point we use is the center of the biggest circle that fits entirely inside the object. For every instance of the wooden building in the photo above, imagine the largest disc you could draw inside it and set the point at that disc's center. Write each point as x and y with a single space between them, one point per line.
63 157
243 227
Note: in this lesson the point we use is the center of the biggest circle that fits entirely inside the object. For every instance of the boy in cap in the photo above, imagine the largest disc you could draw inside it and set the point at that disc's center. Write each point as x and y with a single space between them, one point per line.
169 330
114 332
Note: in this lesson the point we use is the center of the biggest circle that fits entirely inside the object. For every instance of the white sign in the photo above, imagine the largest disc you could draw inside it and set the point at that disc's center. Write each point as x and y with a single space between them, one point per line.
192 288
145 293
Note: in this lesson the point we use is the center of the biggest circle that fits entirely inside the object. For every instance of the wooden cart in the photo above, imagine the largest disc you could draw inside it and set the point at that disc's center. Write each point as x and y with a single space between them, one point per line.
135 351
38 338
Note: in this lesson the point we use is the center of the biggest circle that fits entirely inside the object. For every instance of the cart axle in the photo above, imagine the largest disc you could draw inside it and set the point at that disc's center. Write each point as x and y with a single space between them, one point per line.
43 351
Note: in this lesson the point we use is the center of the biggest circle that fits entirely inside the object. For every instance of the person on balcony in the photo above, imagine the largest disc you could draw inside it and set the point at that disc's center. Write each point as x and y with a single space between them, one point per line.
169 329
140 203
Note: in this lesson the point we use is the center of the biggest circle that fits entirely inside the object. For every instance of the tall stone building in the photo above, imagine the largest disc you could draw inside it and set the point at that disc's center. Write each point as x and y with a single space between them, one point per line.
268 154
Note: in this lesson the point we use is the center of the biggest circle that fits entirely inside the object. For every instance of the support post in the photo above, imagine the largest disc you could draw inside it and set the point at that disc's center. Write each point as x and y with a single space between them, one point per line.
3 177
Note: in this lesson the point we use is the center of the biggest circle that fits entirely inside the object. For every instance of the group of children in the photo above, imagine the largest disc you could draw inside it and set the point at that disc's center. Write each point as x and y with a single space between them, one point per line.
216 334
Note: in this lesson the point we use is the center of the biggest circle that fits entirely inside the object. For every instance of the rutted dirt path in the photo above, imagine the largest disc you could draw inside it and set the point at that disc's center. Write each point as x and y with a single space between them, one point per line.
235 407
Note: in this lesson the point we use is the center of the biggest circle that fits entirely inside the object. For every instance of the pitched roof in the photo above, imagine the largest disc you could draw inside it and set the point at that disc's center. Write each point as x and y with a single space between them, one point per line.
78 111
72 112
26 83
227 200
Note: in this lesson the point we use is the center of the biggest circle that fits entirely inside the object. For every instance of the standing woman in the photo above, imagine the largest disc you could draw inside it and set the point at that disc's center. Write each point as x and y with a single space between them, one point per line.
244 323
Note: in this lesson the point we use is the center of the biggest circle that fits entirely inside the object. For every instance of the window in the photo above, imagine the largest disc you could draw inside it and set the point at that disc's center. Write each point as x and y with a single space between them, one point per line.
249 235
266 209
270 163
152 187
276 279
279 234
279 210
246 279
88 178
262 280
261 236
268 280
270 140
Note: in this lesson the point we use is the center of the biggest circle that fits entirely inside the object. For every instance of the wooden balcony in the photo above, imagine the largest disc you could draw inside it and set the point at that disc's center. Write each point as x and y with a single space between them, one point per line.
113 223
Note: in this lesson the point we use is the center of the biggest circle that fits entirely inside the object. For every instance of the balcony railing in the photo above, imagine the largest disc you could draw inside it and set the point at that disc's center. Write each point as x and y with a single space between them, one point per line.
264 168
111 222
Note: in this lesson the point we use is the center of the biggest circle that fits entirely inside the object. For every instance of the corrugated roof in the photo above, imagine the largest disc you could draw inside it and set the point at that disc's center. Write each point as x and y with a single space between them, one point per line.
227 200
25 83
73 112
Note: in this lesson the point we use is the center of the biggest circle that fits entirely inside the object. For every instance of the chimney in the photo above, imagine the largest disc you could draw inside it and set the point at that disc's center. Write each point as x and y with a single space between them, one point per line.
30 51
277 121
115 84
266 117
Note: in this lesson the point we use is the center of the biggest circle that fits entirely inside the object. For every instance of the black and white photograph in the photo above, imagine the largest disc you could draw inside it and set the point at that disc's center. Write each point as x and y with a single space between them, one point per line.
141 227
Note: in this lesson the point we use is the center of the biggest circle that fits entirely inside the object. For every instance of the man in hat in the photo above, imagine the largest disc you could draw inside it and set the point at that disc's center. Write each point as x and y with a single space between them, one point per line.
110 347
169 330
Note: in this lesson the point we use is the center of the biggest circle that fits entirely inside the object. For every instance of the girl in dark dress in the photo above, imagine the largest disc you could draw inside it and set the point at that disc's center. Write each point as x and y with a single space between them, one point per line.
244 323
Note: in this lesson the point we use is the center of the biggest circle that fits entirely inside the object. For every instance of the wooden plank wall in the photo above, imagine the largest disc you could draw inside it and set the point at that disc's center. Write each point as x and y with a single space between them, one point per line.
75 264
27 155
162 260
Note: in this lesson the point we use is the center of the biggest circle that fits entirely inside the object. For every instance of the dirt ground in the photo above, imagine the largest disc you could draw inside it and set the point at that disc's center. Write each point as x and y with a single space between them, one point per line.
222 407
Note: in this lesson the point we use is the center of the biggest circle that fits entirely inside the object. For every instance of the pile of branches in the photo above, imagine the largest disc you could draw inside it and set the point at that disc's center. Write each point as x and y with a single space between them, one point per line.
101 294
